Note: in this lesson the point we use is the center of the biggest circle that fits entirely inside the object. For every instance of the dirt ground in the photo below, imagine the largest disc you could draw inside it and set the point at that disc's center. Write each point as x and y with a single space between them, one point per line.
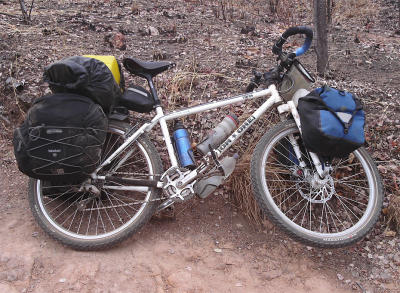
168 255
209 246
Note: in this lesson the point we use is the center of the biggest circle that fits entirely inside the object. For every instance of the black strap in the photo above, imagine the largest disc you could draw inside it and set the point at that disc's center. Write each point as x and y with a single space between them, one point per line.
319 101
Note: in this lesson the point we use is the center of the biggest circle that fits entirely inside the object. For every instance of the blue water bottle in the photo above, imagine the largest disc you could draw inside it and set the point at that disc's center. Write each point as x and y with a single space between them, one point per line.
183 146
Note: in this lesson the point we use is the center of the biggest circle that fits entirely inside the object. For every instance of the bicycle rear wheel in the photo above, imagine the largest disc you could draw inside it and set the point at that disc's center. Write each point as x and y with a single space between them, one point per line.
85 221
331 212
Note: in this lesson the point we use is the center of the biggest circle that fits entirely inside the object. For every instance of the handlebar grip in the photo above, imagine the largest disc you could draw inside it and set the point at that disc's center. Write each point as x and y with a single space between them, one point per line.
277 48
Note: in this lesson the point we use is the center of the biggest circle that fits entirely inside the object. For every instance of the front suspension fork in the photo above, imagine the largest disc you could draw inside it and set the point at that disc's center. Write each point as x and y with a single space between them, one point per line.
322 172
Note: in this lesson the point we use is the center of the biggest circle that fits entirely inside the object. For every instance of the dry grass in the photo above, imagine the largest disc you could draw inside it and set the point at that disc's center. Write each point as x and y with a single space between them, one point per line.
241 190
240 180
359 10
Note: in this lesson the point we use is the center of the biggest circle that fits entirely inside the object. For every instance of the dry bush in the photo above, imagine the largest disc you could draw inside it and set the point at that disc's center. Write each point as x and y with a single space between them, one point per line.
359 10
240 180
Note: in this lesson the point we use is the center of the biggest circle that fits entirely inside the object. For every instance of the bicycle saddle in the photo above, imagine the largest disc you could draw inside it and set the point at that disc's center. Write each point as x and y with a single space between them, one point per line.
142 68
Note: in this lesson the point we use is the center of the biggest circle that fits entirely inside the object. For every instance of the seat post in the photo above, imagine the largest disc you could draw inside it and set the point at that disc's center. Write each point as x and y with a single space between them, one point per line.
152 89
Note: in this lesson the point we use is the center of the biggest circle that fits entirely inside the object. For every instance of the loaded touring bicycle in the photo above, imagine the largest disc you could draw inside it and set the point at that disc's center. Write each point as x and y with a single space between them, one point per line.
96 180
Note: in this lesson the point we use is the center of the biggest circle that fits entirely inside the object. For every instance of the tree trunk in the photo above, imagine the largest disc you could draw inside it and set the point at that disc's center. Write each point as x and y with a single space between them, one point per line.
24 11
329 4
321 32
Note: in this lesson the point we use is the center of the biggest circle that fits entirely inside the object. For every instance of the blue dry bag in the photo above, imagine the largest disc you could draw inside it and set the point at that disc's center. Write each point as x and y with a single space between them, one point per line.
332 122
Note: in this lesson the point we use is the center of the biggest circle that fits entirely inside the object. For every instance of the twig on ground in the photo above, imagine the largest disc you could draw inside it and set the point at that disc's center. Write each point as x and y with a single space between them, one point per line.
5 119
10 15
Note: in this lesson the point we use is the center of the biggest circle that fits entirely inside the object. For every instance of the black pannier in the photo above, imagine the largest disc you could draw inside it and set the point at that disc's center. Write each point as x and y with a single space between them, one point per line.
61 138
332 122
137 99
84 76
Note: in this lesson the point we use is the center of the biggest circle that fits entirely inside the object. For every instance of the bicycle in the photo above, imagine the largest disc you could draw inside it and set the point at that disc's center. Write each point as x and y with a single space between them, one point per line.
318 203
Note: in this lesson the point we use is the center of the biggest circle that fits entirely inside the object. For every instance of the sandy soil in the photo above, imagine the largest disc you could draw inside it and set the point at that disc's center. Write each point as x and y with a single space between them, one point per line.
178 255
168 255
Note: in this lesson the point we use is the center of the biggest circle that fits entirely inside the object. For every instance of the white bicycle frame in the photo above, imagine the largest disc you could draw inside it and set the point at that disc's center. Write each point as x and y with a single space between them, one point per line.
162 119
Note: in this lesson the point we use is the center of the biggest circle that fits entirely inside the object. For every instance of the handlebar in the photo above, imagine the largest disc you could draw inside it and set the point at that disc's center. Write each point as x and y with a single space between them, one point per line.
274 75
277 48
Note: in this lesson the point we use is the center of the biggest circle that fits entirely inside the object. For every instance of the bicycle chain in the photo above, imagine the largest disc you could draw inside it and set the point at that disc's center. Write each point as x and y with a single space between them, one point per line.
127 204
139 174
130 204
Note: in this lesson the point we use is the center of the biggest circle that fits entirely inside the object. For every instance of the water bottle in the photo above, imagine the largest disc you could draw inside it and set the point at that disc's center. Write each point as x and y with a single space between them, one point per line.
228 164
219 133
204 187
183 146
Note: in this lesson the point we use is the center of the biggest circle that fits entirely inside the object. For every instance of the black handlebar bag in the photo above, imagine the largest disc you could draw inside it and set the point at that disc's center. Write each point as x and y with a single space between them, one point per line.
332 122
61 138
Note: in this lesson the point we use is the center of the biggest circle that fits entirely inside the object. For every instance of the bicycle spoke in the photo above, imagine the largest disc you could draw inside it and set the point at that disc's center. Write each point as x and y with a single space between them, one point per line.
58 196
116 212
90 217
101 218
349 199
122 202
66 207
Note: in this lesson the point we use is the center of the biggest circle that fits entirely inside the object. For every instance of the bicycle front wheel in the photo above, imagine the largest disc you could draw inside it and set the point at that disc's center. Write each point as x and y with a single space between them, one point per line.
85 221
331 212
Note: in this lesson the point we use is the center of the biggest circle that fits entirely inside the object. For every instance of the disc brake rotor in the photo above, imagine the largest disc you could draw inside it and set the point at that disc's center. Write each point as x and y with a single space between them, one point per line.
318 190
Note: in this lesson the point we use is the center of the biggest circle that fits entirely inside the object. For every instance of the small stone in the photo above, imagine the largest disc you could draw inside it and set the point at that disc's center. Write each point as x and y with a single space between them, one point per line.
309 248
273 274
347 281
340 277
239 285
370 255
35 234
62 280
239 225
153 31
218 250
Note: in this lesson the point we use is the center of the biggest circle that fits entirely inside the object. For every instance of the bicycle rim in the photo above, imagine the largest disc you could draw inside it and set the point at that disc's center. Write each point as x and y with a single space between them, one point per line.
335 208
80 215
